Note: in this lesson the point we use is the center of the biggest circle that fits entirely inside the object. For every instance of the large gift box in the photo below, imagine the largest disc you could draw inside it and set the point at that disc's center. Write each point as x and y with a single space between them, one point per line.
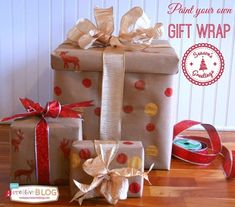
131 84
107 168
41 140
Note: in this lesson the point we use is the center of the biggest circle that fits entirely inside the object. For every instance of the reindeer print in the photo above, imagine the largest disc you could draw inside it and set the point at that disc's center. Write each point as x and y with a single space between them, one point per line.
25 172
65 147
19 136
69 59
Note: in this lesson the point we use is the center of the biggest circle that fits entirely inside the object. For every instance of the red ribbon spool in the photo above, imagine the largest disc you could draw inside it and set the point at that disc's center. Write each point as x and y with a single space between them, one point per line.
209 153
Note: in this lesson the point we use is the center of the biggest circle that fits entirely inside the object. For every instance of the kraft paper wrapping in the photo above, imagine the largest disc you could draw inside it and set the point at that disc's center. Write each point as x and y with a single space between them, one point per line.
147 95
160 58
62 132
129 154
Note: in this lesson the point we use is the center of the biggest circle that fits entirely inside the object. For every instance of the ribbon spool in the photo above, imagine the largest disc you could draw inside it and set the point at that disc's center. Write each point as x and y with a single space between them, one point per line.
200 150
189 144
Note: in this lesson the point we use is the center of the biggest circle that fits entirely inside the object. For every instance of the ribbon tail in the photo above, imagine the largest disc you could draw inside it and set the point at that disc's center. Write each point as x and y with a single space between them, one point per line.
80 200
80 196
68 110
229 162
69 113
86 191
145 176
77 196
131 172
81 104
17 116
90 194
83 189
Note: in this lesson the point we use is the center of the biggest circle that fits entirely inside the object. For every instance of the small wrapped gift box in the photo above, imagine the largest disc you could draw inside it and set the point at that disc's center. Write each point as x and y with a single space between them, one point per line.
62 132
107 168
41 140
130 82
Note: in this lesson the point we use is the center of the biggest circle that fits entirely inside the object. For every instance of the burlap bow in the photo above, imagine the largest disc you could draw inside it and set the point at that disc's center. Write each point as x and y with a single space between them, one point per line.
135 30
110 183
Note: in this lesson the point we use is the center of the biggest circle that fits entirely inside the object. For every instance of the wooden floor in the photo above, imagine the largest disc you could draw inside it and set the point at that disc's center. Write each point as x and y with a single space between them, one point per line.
185 185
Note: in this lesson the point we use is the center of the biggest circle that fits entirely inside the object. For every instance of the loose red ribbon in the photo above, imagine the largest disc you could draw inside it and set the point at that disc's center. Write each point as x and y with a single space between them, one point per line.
209 153
52 109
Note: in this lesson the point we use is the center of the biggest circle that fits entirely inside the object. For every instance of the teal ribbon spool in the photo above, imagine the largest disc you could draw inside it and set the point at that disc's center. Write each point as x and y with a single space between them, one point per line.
188 144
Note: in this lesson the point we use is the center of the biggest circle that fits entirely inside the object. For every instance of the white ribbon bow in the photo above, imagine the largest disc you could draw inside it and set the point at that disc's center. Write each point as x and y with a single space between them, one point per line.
135 30
112 184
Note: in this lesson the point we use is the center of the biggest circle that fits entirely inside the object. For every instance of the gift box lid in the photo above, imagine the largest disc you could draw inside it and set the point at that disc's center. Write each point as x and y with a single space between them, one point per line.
159 58
122 144
30 122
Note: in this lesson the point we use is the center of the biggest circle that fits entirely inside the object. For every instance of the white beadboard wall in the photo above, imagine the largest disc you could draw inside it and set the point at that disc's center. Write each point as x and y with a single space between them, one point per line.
31 29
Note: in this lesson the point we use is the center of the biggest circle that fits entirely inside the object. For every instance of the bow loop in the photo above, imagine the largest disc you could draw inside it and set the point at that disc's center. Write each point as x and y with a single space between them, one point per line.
135 30
95 167
134 19
31 106
104 20
52 109
83 26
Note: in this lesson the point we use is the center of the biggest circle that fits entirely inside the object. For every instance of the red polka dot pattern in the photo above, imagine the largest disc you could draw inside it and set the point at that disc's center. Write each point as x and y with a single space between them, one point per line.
84 154
86 82
57 90
140 85
134 187
121 158
128 109
97 111
150 127
128 142
168 92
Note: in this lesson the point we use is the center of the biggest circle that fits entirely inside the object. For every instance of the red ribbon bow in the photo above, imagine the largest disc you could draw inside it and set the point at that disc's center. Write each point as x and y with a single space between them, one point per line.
52 109
209 153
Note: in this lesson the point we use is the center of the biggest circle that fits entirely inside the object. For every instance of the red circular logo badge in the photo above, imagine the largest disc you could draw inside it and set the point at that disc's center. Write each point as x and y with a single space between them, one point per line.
203 64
